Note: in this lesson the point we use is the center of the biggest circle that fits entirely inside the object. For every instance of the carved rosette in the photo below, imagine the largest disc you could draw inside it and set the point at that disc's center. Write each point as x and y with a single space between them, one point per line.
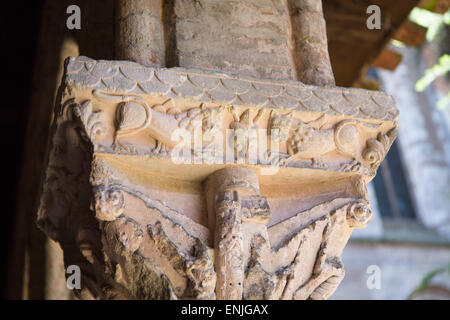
377 148
167 184
108 203
359 214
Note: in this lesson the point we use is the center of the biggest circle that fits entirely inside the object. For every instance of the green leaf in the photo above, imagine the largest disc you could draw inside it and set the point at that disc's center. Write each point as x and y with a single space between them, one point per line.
433 21
426 280
444 102
439 69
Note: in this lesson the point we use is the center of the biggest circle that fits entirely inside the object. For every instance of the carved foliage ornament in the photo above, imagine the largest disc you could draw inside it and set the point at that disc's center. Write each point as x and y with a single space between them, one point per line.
216 225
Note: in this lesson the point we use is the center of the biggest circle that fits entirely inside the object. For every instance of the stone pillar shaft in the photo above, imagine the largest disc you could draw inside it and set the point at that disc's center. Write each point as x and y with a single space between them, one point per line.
308 42
229 248
140 32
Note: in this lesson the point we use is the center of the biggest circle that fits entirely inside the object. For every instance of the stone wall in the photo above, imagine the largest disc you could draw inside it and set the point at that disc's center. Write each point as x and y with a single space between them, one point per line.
402 268
424 142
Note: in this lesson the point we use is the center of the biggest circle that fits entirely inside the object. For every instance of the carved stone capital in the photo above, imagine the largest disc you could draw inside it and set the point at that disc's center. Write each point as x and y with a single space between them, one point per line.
175 184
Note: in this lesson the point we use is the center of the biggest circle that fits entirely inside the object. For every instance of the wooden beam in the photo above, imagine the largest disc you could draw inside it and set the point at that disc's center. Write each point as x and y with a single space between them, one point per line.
388 59
411 34
438 6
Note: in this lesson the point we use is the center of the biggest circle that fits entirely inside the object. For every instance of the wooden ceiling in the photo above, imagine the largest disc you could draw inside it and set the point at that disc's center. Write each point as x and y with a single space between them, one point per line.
352 45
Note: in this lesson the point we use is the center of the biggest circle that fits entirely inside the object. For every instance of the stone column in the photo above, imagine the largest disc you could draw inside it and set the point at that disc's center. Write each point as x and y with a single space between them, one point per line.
233 202
308 42
424 143
143 31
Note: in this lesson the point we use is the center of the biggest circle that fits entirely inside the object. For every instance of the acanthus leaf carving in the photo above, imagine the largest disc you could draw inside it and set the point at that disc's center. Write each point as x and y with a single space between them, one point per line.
377 148
108 203
155 230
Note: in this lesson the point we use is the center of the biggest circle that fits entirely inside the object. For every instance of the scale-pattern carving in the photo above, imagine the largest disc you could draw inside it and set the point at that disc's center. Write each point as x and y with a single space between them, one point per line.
133 78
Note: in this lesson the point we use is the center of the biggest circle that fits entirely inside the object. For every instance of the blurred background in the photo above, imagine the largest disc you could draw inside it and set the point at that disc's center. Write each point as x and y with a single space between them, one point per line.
404 253
408 238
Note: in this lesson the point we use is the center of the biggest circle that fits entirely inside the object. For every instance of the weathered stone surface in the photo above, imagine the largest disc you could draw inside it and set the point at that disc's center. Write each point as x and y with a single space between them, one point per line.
144 32
308 42
132 78
259 204
234 36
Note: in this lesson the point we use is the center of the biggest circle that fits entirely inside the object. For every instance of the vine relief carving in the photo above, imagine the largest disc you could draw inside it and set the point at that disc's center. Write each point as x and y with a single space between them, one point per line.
266 271
302 144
